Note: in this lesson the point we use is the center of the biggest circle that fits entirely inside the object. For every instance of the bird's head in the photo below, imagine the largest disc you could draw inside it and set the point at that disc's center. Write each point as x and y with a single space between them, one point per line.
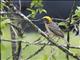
47 19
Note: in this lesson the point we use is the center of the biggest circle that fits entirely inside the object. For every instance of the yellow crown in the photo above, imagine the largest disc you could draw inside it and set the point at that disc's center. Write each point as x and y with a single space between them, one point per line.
49 19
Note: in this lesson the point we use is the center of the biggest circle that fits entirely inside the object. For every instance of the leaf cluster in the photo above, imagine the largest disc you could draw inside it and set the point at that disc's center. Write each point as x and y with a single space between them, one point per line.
36 7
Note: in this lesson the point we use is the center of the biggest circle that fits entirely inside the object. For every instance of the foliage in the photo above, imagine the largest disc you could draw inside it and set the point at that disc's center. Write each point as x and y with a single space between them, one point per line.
7 23
36 7
76 17
5 27
74 25
77 12
2 6
4 23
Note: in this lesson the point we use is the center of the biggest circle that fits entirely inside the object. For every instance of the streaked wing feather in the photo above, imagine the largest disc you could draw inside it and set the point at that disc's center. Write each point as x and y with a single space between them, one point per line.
55 29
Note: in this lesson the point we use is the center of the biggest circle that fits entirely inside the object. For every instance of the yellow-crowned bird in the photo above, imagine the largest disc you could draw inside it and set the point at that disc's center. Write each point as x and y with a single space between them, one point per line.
52 27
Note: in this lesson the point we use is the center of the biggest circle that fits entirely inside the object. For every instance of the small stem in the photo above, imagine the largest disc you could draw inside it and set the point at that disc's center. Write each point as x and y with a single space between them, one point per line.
70 18
20 5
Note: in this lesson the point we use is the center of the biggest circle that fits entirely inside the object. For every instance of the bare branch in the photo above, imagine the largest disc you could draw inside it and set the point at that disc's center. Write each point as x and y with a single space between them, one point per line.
43 34
38 51
19 51
28 43
69 23
49 39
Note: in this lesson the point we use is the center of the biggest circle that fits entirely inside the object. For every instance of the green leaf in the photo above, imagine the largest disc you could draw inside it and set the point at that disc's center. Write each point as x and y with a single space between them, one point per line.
2 5
39 4
77 12
5 29
4 23
33 12
3 18
36 7
29 9
43 10
78 7
37 10
33 15
72 21
62 24
6 33
32 4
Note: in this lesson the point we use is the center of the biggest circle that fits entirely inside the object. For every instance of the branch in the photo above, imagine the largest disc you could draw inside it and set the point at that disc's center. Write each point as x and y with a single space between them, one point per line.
43 34
38 51
20 5
49 39
19 51
27 44
69 23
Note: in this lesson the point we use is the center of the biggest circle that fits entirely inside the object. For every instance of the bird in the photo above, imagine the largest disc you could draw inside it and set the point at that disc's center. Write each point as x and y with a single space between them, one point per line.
52 27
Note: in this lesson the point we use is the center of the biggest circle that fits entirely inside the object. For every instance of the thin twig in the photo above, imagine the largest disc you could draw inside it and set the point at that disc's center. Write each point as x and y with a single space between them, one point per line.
20 5
38 51
31 43
19 51
27 44
43 34
70 18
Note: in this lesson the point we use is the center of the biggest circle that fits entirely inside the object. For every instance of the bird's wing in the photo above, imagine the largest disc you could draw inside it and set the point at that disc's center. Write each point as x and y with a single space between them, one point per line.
55 29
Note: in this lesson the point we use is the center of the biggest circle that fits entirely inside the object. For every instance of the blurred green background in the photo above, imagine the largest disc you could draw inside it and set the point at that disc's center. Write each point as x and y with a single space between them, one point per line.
45 53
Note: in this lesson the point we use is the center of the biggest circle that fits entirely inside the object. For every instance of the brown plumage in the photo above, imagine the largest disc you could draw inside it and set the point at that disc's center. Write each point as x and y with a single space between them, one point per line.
52 27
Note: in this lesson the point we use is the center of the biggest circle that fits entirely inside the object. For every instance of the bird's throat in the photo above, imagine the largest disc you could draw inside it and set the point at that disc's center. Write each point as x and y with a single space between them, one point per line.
46 26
